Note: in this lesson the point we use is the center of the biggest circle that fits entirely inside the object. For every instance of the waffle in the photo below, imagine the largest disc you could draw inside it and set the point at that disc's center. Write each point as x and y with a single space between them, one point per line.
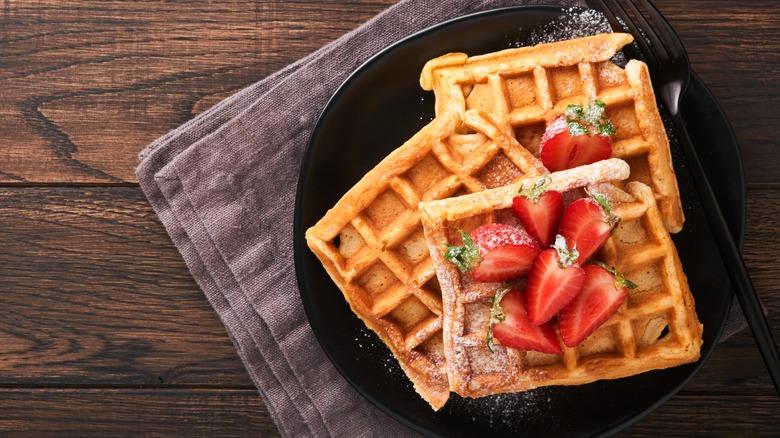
525 89
372 245
656 326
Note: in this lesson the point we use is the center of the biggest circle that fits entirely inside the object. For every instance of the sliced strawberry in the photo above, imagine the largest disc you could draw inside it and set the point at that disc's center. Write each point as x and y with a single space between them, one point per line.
491 236
494 252
516 331
587 223
507 252
555 279
580 137
539 211
505 263
603 291
559 150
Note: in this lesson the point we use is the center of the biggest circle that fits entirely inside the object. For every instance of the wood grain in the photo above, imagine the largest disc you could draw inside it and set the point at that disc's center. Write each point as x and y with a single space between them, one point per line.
94 289
159 413
758 417
94 82
102 329
733 48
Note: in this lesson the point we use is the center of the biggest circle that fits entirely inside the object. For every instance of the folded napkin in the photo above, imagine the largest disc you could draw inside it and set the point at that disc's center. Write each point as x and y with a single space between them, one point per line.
224 185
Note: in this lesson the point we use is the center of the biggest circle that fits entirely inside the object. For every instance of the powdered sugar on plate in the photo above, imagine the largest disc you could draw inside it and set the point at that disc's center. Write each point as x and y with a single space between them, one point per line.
501 409
574 23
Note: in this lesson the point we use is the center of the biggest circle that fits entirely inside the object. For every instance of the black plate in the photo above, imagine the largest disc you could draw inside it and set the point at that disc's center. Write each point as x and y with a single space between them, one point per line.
376 110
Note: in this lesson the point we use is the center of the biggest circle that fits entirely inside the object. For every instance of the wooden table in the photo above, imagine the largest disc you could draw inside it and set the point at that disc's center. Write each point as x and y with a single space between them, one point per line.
102 329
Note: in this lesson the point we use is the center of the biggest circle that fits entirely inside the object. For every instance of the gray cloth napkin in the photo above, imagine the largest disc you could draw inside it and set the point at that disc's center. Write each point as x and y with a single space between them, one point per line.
224 184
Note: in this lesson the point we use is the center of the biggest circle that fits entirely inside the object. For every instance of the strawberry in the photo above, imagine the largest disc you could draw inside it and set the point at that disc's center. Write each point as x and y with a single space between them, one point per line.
587 223
494 252
505 263
510 325
555 279
539 211
490 236
507 252
603 291
579 137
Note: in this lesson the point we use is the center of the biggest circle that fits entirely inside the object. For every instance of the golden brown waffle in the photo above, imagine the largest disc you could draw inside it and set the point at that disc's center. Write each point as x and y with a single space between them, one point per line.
656 327
372 244
527 88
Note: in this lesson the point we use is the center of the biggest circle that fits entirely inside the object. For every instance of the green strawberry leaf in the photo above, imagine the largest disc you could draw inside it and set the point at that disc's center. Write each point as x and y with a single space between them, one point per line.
465 257
610 217
534 192
589 120
620 280
496 314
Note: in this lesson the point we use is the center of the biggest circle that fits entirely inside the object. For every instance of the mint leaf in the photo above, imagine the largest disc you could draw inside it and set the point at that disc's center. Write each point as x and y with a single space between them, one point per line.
574 112
576 128
465 257
589 120
593 113
606 127
566 256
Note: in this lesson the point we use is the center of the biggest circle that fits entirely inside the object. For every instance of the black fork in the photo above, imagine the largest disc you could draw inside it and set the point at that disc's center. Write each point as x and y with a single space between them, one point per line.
665 56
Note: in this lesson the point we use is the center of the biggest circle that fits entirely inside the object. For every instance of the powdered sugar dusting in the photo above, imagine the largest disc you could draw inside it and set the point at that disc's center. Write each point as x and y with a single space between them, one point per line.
502 410
574 23
376 350
491 236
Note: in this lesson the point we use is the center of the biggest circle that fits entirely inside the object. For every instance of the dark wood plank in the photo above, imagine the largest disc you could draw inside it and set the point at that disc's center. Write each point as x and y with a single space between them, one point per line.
102 329
88 84
94 293
88 87
735 367
132 413
735 416
61 413
733 48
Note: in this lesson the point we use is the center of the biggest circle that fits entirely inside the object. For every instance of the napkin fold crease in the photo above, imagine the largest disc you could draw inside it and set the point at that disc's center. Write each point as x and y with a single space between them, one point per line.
223 185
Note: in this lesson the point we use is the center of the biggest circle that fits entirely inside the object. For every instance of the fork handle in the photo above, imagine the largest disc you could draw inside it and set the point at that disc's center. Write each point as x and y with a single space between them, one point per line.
735 265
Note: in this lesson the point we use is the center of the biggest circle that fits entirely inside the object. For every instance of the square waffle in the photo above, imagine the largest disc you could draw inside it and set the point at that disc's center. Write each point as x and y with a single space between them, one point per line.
372 245
656 326
526 89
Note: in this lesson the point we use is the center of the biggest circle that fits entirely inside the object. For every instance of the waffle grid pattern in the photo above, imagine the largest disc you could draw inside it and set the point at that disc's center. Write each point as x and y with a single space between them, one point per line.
526 89
372 242
656 327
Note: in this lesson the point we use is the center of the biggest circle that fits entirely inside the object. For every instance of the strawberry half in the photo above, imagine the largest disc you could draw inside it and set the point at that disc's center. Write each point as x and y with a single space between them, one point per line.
539 211
580 137
603 291
513 328
587 223
507 252
554 281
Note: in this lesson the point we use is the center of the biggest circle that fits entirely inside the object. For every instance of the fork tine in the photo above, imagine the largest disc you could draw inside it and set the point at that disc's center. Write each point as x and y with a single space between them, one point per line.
614 21
646 30
669 35
621 19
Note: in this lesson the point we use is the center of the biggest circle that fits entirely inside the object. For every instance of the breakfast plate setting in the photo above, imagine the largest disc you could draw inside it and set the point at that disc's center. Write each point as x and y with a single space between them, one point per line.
384 105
